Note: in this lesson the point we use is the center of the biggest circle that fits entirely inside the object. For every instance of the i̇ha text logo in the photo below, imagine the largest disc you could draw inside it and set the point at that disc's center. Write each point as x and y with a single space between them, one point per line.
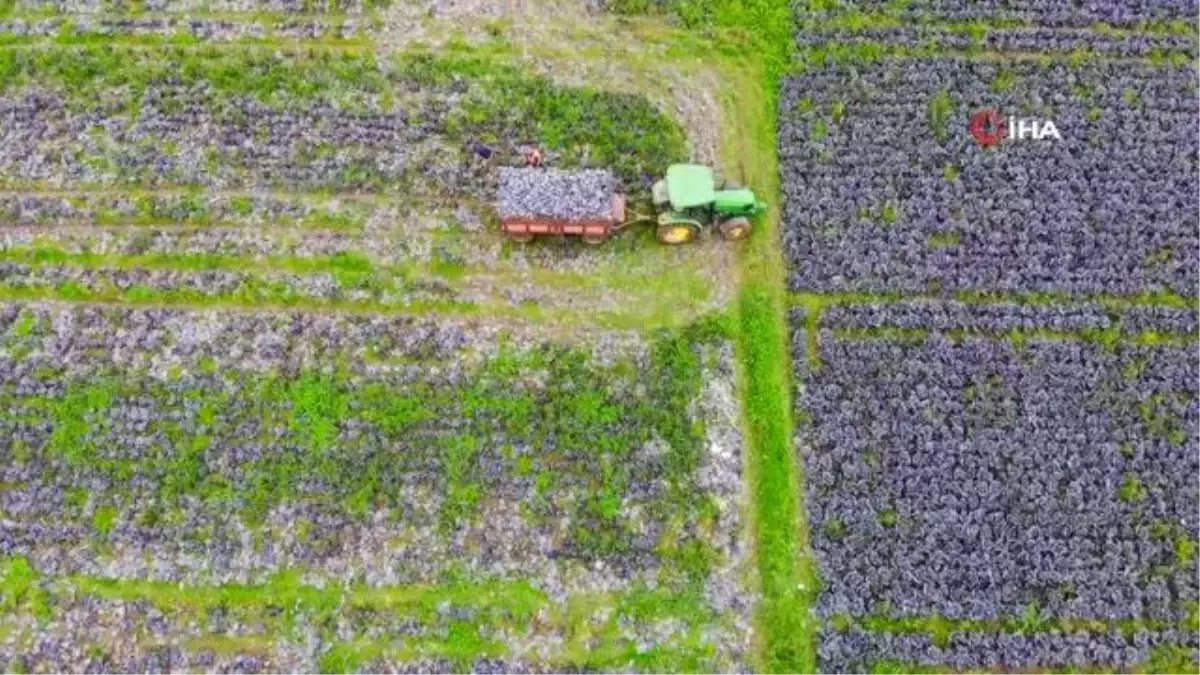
989 127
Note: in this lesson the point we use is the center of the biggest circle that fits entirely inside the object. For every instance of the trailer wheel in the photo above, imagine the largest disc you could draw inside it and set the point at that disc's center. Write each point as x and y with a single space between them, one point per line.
735 228
594 239
676 233
521 237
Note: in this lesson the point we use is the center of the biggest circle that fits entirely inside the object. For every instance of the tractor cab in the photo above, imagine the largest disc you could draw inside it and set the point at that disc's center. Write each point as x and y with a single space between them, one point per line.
688 200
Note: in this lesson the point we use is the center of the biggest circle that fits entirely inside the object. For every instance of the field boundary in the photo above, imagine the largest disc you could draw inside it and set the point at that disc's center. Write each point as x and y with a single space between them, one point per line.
787 630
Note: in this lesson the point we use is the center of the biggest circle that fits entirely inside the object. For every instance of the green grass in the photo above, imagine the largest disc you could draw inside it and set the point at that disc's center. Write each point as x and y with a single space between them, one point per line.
642 317
1109 301
1110 340
941 106
20 587
785 626
104 519
671 297
783 608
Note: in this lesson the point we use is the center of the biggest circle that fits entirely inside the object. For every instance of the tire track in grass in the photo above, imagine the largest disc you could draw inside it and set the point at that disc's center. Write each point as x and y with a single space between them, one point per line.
787 629
755 50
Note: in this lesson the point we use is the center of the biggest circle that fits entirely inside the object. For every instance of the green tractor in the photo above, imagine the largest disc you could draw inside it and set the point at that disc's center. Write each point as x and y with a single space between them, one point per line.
688 201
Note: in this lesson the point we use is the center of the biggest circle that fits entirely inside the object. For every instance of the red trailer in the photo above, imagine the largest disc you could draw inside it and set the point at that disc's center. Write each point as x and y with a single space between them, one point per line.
536 201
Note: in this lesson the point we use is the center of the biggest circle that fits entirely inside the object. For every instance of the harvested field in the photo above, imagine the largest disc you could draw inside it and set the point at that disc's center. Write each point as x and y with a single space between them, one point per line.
478 480
278 395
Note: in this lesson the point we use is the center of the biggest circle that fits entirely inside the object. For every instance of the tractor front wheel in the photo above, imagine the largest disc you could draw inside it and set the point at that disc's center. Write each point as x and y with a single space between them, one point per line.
735 228
676 233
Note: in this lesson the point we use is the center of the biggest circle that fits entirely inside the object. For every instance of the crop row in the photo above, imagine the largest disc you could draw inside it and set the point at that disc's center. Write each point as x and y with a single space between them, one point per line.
217 248
977 502
256 210
94 339
858 650
886 189
999 318
85 29
1036 40
350 289
250 146
214 119
1137 14
137 7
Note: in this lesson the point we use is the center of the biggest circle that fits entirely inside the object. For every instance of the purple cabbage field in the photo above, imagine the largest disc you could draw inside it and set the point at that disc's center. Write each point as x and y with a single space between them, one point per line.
1007 39
1054 13
979 502
995 344
897 195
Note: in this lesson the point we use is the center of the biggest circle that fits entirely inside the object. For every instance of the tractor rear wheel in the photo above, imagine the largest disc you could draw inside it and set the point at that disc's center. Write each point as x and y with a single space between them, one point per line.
521 237
735 228
677 233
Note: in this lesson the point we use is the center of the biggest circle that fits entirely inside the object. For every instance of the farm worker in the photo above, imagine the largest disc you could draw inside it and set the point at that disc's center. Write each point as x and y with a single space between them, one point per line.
480 149
533 157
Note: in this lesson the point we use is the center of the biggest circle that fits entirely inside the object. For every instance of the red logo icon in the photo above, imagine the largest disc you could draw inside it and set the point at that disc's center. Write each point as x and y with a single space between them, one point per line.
987 126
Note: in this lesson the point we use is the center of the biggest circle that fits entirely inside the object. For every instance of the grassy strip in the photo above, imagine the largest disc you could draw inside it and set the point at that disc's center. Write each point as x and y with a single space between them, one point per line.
679 284
284 599
519 600
785 568
265 296
671 297
348 266
785 624
814 305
